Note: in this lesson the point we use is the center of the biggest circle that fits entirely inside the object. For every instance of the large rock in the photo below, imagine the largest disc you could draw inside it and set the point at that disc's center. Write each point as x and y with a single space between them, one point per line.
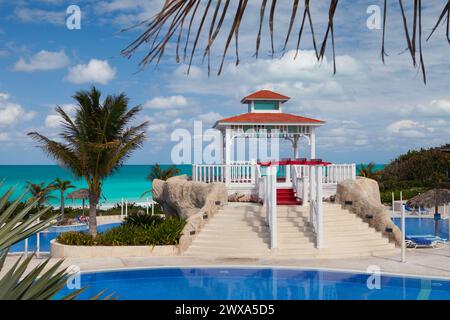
183 198
365 197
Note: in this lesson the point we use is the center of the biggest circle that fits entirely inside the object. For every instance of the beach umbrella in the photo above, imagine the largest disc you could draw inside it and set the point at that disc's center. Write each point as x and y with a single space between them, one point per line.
432 198
80 194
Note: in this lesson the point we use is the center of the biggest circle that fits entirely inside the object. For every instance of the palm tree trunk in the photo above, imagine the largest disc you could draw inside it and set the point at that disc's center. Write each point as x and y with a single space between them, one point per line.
93 202
62 205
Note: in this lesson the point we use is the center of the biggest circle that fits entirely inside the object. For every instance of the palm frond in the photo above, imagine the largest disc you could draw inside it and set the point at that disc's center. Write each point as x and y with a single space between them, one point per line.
160 30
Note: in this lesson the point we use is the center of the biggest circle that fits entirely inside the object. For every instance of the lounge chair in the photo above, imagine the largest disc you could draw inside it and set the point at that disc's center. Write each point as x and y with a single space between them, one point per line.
83 219
425 241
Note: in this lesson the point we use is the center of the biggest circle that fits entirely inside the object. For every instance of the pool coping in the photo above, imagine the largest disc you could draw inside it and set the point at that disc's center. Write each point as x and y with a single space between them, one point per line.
218 266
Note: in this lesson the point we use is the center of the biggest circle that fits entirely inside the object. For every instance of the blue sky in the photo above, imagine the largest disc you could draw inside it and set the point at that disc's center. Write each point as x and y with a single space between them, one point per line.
373 111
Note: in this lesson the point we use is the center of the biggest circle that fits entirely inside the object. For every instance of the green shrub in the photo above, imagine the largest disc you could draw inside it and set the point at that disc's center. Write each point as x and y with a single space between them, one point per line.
167 232
75 239
143 220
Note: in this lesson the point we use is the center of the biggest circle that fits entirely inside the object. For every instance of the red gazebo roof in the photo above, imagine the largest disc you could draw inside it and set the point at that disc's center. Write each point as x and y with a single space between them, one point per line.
265 95
268 118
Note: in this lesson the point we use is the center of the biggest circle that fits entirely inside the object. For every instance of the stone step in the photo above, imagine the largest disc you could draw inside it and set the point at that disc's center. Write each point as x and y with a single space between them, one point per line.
335 250
306 254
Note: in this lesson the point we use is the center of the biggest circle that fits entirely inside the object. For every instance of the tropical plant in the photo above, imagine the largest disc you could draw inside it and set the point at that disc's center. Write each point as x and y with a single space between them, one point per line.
368 171
96 142
14 227
62 186
179 18
157 172
143 220
167 232
20 282
40 192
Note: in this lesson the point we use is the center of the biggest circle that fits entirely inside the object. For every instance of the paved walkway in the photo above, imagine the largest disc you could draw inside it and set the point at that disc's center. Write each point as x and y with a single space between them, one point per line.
426 262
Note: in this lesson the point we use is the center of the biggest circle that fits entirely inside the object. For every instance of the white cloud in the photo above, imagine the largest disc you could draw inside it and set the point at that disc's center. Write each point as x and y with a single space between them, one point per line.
38 16
438 107
159 127
43 60
209 118
11 113
54 120
397 126
4 136
95 71
407 129
303 77
166 102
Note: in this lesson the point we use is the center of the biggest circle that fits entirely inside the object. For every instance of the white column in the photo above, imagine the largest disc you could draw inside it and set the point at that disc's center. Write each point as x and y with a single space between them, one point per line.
228 145
312 144
319 196
448 215
273 207
403 229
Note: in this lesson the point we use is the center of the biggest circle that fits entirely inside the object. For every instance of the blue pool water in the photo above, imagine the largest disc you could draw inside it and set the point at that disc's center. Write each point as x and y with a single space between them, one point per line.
258 284
423 226
46 237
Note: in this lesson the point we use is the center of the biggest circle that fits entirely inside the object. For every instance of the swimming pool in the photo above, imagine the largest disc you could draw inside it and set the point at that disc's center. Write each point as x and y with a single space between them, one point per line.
423 226
46 237
256 284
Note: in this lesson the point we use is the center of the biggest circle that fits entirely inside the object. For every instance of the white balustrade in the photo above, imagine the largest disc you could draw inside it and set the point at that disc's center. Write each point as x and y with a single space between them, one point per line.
316 203
270 203
247 173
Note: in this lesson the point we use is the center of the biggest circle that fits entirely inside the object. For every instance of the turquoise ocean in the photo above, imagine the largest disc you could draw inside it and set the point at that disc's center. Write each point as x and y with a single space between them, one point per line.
128 183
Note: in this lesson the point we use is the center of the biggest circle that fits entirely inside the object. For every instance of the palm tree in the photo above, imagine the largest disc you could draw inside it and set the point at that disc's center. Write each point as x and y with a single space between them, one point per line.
186 20
96 142
368 171
40 192
162 174
62 186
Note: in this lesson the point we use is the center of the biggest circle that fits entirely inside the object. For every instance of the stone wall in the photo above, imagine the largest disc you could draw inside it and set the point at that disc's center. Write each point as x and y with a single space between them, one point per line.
362 197
58 250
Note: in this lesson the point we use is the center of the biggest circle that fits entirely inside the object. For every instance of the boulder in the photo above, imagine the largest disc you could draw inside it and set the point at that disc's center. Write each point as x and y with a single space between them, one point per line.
364 194
241 197
183 198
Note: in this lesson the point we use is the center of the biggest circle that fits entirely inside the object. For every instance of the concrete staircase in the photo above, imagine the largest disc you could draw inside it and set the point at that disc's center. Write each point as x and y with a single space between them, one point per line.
240 231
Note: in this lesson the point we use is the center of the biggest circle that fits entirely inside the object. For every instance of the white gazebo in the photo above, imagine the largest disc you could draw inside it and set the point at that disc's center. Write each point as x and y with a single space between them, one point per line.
273 181
265 119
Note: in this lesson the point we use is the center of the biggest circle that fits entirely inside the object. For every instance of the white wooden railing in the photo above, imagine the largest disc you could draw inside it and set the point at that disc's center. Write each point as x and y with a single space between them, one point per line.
316 203
249 172
269 198
332 174
335 173
231 173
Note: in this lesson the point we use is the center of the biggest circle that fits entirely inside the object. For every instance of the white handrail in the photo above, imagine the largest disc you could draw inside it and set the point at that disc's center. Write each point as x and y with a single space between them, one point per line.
270 203
316 203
